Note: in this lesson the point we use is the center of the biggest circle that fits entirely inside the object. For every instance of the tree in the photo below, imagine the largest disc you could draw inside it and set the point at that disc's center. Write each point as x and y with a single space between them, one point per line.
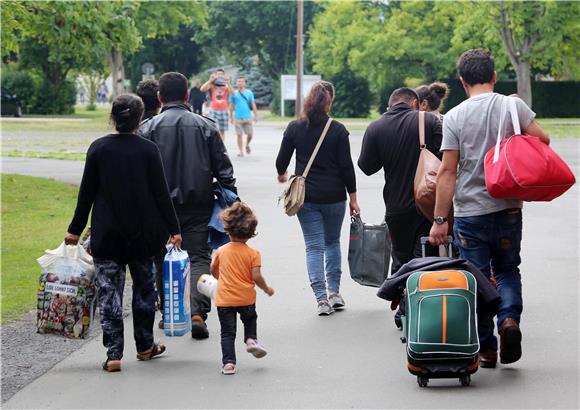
535 35
265 29
57 38
168 53
153 19
383 43
390 42
13 19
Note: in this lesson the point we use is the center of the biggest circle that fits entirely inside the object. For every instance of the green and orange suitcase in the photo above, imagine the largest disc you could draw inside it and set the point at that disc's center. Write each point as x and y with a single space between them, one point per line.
440 325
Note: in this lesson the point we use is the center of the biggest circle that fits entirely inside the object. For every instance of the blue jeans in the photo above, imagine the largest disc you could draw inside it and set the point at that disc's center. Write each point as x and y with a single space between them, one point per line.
492 243
321 225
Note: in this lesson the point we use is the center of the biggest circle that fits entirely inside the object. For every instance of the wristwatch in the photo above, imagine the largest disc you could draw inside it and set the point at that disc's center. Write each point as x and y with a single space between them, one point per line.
440 220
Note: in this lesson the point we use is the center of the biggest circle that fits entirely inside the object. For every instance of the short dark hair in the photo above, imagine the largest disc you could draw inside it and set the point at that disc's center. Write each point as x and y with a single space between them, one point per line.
126 112
173 87
220 69
147 90
476 66
403 94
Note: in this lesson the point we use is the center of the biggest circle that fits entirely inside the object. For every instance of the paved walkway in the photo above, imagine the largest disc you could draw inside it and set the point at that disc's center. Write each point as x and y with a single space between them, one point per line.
350 359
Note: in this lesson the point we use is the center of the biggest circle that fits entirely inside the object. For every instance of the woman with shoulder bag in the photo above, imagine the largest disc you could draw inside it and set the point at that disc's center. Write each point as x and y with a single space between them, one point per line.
328 180
132 216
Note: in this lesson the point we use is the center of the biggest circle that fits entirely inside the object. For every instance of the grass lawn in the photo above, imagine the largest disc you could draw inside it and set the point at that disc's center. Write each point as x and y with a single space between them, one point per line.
81 121
74 156
35 215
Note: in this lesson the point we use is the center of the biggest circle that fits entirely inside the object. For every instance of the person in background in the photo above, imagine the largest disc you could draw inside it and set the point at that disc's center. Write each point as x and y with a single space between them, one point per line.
488 231
242 110
330 178
147 90
193 155
432 97
197 97
220 89
124 185
237 267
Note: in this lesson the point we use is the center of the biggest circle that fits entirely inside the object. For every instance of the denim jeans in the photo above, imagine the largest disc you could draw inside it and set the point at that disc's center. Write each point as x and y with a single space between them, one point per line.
492 243
321 225
228 319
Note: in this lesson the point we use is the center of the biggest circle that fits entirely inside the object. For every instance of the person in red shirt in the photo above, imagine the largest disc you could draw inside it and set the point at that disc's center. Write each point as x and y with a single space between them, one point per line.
220 89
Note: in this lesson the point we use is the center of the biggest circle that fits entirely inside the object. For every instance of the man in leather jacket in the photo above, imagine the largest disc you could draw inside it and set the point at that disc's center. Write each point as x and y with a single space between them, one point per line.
193 155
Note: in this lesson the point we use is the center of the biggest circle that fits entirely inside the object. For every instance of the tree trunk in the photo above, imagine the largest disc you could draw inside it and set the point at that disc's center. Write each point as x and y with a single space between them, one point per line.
117 72
524 78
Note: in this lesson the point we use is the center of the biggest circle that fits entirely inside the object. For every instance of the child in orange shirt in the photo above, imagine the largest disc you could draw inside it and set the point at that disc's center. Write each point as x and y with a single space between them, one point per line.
237 268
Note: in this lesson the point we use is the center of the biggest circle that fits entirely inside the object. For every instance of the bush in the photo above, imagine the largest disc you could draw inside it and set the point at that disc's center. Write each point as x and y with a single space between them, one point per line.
36 94
21 83
353 97
550 99
55 100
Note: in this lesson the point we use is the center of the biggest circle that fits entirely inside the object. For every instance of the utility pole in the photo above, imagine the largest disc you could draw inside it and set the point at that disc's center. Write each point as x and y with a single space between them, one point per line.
299 62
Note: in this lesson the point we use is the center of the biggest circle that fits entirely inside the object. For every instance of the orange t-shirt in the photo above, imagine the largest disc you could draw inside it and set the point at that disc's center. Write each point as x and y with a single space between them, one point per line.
234 262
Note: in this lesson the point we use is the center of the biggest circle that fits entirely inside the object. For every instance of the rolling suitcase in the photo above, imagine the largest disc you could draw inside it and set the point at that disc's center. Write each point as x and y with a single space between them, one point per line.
440 325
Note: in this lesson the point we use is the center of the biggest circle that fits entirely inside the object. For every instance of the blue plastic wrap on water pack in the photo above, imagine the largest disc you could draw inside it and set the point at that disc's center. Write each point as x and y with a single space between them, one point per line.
176 286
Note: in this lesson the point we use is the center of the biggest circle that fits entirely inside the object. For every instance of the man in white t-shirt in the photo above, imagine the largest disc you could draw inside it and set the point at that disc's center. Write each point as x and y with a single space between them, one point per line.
488 231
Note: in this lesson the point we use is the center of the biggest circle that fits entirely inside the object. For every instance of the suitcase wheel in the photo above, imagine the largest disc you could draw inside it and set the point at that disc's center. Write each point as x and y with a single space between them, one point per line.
465 380
422 381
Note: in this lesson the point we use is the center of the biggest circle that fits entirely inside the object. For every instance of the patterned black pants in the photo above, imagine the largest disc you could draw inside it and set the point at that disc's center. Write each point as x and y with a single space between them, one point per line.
110 283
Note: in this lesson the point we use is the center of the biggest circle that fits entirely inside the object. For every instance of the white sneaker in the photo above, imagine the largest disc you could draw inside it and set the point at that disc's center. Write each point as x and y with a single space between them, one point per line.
256 349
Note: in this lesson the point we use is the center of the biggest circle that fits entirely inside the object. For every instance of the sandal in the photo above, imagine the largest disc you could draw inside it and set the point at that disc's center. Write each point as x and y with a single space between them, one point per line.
112 365
229 369
149 354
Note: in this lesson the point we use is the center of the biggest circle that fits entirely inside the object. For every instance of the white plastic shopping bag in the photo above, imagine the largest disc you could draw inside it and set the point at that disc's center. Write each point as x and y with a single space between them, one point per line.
66 292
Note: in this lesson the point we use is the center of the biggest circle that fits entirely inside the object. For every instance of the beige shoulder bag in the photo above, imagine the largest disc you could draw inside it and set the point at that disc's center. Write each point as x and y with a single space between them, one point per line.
296 187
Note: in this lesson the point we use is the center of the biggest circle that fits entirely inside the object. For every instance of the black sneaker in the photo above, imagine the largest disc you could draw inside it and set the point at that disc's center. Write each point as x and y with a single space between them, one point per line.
199 328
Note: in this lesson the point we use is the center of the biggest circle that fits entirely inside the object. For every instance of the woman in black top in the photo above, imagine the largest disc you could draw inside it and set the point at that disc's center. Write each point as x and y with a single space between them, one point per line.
330 178
132 212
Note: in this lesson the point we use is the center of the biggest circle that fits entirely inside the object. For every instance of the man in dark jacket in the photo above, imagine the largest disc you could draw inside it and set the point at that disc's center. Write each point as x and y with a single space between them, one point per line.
193 155
197 97
392 143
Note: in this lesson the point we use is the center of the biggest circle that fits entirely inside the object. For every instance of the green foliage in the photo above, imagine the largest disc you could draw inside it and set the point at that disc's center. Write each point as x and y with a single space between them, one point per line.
265 29
552 99
55 100
21 83
14 22
546 34
35 215
353 97
388 42
168 53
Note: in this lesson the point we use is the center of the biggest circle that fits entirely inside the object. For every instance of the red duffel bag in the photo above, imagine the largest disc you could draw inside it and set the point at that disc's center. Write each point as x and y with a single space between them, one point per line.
523 167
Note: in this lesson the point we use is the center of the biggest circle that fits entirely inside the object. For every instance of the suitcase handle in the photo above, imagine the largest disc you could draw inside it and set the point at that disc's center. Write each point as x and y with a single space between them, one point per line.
425 240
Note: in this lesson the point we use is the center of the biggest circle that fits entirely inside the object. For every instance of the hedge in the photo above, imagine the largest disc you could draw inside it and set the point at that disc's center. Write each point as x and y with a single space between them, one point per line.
550 99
